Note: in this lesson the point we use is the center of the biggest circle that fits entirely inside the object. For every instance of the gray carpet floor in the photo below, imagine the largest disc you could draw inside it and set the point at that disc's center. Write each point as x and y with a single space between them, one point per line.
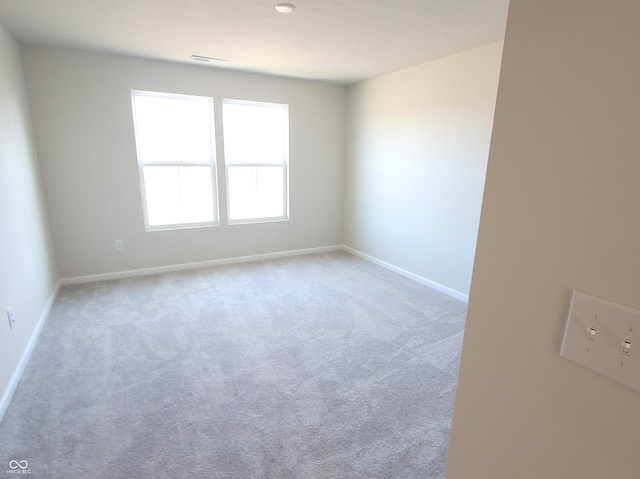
321 366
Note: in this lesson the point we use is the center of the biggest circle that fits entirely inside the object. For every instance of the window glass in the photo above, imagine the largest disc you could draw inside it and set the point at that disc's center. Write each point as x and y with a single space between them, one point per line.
256 150
255 192
176 158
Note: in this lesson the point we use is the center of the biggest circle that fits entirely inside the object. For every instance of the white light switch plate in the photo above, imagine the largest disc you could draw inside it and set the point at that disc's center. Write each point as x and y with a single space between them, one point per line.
604 337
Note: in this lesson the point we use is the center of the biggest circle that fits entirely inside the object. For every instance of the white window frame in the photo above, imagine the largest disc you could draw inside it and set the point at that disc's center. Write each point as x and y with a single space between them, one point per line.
284 164
212 164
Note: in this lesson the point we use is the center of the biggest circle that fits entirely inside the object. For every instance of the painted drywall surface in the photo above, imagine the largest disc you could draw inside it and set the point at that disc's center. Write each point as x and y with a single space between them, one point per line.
27 269
560 213
81 109
417 147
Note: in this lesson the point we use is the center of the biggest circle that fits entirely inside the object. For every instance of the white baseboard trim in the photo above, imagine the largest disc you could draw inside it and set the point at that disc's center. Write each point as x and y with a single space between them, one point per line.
196 265
407 274
10 390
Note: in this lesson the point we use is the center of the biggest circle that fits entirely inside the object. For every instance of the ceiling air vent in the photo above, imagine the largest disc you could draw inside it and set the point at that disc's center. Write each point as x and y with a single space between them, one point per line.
203 59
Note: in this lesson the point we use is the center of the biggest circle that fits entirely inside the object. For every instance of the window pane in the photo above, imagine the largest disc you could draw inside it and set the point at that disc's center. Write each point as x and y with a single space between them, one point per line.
255 133
176 129
256 192
176 156
178 194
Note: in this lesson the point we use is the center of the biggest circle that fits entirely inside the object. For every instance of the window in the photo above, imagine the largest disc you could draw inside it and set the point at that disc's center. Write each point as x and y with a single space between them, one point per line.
176 159
256 151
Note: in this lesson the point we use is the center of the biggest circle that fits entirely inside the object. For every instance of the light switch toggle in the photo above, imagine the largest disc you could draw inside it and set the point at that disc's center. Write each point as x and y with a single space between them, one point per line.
606 345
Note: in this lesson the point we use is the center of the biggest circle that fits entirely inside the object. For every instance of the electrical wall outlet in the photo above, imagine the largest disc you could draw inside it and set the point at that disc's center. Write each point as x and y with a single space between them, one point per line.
119 245
604 337
11 318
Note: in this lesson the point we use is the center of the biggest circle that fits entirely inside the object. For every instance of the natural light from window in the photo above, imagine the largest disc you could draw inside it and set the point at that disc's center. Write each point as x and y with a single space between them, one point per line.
176 158
256 150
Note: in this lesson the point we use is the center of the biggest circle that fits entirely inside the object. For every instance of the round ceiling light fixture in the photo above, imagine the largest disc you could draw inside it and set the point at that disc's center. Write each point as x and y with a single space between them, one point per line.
285 7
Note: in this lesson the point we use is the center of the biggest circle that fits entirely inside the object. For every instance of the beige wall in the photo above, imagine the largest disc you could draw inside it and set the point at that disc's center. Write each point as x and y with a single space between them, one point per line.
81 110
417 148
561 212
27 268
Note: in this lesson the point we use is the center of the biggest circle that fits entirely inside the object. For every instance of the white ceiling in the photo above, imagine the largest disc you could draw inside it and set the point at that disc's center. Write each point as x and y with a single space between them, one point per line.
334 40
